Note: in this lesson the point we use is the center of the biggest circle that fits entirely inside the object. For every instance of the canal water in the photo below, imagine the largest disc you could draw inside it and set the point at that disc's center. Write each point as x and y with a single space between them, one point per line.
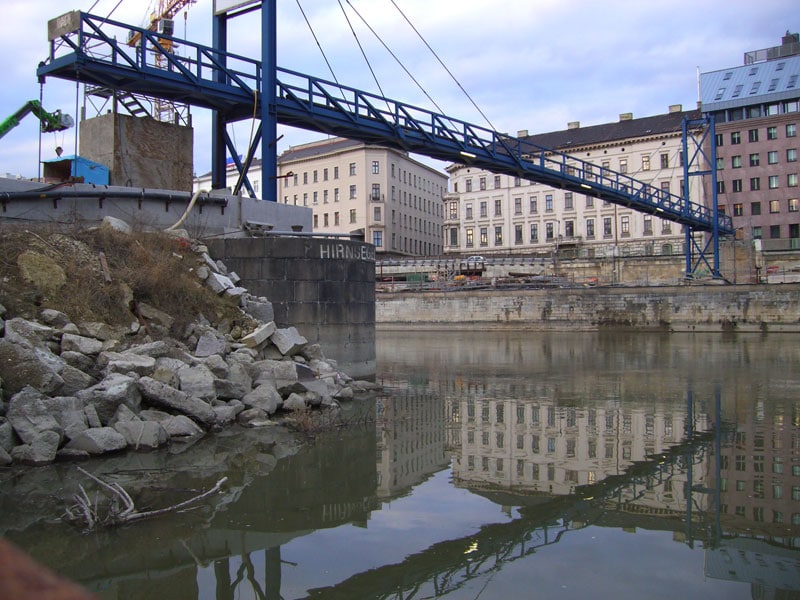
492 465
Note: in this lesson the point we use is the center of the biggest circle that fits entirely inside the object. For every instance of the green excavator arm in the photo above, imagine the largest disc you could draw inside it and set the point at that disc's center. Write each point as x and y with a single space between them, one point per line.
51 121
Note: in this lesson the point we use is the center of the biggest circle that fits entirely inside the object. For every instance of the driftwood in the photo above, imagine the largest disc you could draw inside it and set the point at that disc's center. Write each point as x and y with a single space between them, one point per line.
120 507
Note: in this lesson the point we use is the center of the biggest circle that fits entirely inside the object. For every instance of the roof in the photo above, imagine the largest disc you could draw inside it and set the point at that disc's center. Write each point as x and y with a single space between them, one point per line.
767 81
318 148
670 123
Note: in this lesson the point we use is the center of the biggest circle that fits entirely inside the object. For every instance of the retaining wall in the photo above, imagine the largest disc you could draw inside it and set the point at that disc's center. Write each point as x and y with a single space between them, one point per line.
324 287
759 308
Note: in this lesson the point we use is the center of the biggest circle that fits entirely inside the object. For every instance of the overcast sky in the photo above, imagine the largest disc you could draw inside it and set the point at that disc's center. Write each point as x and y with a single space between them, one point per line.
527 64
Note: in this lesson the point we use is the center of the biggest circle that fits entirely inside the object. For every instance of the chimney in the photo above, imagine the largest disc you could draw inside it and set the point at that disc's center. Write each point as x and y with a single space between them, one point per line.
675 108
625 117
522 133
574 125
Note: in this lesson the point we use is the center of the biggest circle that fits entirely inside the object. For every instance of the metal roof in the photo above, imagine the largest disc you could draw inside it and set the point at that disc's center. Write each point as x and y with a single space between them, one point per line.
757 83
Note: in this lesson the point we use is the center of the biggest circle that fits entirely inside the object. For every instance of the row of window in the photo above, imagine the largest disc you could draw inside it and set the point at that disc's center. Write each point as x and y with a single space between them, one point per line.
551 232
792 205
407 177
753 134
773 183
755 159
533 205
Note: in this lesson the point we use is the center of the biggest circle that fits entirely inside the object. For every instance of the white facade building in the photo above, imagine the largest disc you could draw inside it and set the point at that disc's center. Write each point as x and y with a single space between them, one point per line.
379 193
490 214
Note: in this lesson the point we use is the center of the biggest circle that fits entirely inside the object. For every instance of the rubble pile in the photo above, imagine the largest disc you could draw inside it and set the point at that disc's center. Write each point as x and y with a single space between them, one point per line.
75 390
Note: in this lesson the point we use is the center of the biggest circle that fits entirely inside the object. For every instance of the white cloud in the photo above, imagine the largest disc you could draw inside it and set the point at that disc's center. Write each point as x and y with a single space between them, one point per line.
528 65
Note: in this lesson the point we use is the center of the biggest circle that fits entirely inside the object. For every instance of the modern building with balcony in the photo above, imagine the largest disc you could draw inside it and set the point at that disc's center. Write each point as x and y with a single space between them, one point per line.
489 214
756 109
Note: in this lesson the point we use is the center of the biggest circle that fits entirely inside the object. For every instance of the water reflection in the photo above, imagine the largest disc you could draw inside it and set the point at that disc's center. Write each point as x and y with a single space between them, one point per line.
489 451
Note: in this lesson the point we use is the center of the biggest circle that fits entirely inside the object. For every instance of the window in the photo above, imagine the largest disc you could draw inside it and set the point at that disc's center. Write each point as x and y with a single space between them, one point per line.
774 206
772 133
772 157
736 185
316 196
376 213
719 139
590 228
793 204
484 236
534 204
498 208
470 237
352 169
352 215
645 163
517 182
755 208
548 203
720 187
755 184
568 201
665 161
756 233
534 232
791 130
482 183
376 169
453 206
773 182
376 192
589 201
468 184
517 206
305 178
498 235
336 172
736 161
468 211
791 180
752 135
775 231
625 226
791 155
517 234
549 231
484 210
623 165
754 159
738 211
315 176
496 181
569 229
648 225
335 194
352 191
607 231
736 138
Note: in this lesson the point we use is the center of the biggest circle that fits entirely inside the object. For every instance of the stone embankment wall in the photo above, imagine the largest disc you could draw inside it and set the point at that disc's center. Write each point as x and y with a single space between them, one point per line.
324 287
760 308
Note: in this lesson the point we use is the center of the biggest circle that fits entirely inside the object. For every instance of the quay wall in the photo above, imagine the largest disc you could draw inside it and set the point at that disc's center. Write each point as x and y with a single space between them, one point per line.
753 308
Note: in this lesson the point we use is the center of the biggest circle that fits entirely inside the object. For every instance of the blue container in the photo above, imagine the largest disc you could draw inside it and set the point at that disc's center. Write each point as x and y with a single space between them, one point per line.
75 168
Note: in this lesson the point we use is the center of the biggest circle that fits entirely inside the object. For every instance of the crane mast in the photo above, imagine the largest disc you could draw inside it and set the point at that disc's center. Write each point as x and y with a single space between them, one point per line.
162 21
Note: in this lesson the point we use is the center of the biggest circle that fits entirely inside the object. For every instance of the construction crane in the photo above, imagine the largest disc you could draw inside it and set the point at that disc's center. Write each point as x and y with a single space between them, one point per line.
51 121
162 21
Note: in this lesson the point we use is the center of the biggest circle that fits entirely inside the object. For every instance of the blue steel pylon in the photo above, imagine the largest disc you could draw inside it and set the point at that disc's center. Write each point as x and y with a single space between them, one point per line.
699 143
267 132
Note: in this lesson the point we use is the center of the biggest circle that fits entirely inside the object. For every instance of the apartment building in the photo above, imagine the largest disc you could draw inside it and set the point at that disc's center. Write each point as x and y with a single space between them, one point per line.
486 213
756 108
380 194
352 187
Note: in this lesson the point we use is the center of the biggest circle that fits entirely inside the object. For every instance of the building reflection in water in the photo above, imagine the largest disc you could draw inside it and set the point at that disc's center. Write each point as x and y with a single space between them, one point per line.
560 437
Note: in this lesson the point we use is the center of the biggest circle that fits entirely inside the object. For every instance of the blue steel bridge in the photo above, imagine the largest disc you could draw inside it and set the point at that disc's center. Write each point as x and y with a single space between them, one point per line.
89 49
